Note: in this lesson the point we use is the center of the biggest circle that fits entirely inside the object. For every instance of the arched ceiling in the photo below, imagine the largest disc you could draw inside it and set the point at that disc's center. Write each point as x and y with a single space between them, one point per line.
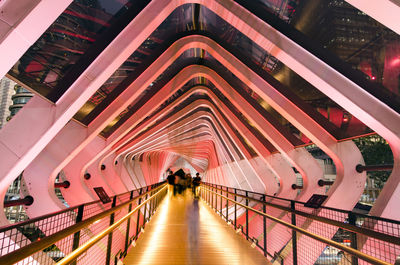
86 28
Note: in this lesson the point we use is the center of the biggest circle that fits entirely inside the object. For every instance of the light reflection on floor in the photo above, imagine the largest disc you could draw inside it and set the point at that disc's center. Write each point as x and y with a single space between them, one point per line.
187 231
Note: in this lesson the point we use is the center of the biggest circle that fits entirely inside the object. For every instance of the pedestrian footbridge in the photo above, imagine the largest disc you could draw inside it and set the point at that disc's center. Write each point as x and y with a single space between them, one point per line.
187 231
222 226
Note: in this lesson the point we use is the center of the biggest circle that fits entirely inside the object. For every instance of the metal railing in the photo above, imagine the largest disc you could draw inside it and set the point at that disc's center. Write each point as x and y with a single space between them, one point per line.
289 233
102 233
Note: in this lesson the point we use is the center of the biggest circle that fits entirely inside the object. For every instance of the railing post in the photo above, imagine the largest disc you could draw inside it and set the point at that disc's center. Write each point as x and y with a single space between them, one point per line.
220 202
128 224
155 201
151 201
247 216
77 235
265 226
235 208
205 194
227 202
158 198
353 237
138 213
109 242
294 233
212 197
119 253
216 198
145 207
209 195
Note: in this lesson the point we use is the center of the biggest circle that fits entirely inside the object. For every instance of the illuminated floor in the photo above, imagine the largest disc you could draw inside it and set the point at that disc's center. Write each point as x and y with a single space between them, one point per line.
187 231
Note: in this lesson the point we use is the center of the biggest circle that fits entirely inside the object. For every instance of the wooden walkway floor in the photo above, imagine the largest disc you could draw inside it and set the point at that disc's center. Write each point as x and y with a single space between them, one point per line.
187 231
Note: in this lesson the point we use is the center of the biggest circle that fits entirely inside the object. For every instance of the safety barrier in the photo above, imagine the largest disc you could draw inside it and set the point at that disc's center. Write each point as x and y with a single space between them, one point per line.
91 233
288 232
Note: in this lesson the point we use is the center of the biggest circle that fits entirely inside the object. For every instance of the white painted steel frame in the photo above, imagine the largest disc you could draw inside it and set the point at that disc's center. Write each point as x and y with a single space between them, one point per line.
295 57
382 119
385 11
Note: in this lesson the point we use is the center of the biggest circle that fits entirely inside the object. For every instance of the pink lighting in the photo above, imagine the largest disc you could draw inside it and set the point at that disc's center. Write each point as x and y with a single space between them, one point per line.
395 62
214 139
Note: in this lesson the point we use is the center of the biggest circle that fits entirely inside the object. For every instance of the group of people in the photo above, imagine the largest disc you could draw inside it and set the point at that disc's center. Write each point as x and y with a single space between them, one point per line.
180 181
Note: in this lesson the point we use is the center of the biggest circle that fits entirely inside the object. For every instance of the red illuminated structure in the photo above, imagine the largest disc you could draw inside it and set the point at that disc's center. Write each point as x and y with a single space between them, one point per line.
125 91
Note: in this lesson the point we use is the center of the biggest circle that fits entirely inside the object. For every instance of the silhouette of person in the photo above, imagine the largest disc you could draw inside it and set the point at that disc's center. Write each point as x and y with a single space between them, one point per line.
195 185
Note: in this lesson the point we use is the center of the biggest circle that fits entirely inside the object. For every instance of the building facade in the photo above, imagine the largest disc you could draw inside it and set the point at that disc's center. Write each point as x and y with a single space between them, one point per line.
6 92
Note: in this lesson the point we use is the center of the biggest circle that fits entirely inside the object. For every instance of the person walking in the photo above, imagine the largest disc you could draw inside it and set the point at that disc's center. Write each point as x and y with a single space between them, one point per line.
195 185
180 181
171 183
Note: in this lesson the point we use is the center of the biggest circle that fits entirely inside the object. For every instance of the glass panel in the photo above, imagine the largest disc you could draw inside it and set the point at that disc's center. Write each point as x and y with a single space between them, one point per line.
152 89
349 125
354 37
180 92
207 21
177 21
89 19
351 35
285 9
273 116
72 34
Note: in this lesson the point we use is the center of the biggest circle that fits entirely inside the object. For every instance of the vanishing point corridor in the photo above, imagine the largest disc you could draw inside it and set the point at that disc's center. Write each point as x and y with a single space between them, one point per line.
187 231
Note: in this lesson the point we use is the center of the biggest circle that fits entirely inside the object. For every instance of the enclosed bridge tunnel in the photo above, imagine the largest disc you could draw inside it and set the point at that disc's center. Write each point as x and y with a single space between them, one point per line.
268 100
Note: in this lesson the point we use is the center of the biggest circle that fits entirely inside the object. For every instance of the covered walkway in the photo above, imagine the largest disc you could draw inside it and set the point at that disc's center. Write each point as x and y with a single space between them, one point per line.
185 230
288 110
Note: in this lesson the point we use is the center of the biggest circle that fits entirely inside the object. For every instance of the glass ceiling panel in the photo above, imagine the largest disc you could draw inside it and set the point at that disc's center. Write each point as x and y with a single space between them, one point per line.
212 23
178 21
154 87
84 22
344 31
182 105
333 113
65 42
348 124
179 93
354 37
285 9
209 22
243 120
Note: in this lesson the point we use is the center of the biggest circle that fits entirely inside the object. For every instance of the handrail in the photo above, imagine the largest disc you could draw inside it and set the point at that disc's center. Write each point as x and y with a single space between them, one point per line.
33 220
79 251
26 251
289 201
349 227
299 202
347 249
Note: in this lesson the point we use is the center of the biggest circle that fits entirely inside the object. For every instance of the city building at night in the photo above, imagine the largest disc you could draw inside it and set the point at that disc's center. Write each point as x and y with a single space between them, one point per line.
7 90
